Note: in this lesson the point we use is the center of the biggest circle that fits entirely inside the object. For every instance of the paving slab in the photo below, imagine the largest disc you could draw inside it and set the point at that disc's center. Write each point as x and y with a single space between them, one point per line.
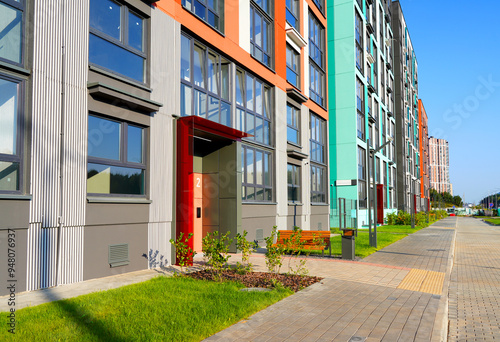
364 301
474 292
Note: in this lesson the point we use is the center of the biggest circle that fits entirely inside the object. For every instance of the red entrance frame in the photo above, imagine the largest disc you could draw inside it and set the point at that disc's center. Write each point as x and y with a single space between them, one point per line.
185 153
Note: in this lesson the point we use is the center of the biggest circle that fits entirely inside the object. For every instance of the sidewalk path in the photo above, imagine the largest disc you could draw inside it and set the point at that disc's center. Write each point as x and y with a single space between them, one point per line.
396 294
474 308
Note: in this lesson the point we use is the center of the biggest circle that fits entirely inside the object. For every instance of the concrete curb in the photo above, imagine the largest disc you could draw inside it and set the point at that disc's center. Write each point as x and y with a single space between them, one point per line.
440 330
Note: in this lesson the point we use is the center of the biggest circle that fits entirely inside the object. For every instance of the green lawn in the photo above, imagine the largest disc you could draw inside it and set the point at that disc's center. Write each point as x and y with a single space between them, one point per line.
161 309
386 235
495 221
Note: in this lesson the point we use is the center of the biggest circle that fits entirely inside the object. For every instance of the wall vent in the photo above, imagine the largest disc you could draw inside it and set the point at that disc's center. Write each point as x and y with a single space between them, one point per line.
259 234
118 255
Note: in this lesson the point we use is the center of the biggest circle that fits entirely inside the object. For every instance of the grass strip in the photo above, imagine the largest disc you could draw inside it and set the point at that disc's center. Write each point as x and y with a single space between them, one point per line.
161 309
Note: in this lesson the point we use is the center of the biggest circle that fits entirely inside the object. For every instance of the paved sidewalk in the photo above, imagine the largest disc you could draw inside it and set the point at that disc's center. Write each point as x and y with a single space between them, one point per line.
474 308
396 294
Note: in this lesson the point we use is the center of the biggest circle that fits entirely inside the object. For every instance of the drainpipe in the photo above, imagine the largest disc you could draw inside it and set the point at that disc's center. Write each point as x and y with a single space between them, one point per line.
61 150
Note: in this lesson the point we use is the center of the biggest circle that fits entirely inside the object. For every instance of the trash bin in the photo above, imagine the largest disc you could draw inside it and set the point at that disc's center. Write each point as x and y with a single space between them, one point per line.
348 244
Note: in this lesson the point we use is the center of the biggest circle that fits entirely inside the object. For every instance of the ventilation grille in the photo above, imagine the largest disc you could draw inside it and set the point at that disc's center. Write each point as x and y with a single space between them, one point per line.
259 234
118 255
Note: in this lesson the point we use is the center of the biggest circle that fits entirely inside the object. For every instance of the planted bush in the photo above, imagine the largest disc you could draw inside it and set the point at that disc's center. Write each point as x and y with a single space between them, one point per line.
183 253
216 252
247 248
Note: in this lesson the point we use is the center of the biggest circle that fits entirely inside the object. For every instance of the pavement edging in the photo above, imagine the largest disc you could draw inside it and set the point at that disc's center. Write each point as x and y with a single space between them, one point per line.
440 330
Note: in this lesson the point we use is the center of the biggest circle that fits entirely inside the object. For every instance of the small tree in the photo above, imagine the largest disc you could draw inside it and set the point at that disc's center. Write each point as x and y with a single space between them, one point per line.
183 253
274 252
216 248
247 249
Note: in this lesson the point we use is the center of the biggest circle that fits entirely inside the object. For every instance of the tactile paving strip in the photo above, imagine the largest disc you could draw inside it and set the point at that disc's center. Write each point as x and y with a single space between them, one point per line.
423 281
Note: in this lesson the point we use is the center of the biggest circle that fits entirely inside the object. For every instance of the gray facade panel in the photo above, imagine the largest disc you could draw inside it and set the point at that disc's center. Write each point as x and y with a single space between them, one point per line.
19 256
14 214
97 241
116 213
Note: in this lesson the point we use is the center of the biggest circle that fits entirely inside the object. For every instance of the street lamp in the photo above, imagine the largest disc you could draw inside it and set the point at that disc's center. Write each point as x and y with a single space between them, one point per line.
371 166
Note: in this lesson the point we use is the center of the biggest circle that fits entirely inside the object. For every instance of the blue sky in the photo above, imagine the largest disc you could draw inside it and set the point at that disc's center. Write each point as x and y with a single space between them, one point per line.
457 44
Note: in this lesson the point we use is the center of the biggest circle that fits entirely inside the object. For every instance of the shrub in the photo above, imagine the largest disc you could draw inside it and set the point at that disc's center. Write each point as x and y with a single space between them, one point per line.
294 246
246 248
403 218
216 249
421 219
274 253
183 253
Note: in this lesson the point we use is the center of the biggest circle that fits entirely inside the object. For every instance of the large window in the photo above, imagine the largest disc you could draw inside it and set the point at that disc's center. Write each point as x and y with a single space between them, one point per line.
256 180
318 181
292 66
253 107
360 107
318 139
293 128
359 42
261 32
117 39
318 151
292 13
204 82
210 11
11 31
11 124
116 157
317 61
362 194
293 176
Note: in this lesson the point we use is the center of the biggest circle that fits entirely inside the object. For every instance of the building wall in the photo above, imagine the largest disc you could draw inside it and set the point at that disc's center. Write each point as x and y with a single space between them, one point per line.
439 165
424 151
406 111
344 140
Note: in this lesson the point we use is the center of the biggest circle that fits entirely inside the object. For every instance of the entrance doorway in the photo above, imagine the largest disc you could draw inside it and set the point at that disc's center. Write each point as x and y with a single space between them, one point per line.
208 179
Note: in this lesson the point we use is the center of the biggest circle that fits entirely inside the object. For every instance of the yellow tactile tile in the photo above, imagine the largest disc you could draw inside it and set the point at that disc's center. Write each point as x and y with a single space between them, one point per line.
423 281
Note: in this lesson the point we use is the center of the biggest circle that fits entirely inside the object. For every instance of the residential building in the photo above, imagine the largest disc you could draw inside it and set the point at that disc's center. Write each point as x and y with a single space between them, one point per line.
362 108
424 156
130 122
406 112
439 164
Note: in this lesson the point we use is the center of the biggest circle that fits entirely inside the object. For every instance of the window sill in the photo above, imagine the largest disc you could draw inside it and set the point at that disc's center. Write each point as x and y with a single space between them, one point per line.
296 204
320 204
133 101
258 203
258 144
294 144
15 197
119 78
126 200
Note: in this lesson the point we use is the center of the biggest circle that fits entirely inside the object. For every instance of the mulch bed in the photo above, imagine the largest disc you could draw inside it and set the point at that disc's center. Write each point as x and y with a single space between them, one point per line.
260 279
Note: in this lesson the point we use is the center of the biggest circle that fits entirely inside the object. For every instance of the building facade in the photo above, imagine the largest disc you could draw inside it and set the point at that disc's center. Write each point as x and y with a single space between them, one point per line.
424 156
439 164
130 122
406 112
361 114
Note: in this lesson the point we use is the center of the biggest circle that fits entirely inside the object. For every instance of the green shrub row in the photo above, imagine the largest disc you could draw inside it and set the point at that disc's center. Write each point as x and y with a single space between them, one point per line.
404 219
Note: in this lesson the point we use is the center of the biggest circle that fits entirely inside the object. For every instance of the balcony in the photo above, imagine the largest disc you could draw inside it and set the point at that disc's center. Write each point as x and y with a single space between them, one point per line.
371 89
369 57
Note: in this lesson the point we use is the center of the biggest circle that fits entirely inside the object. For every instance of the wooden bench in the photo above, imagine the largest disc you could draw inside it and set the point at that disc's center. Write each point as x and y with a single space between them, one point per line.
309 238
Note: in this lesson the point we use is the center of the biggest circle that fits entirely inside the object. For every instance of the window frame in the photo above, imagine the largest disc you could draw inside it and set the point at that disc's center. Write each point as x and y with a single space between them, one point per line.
267 19
244 181
362 202
358 37
296 16
295 184
320 4
18 157
317 95
317 191
21 6
122 162
125 9
320 143
360 108
241 124
205 89
294 125
296 56
219 14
